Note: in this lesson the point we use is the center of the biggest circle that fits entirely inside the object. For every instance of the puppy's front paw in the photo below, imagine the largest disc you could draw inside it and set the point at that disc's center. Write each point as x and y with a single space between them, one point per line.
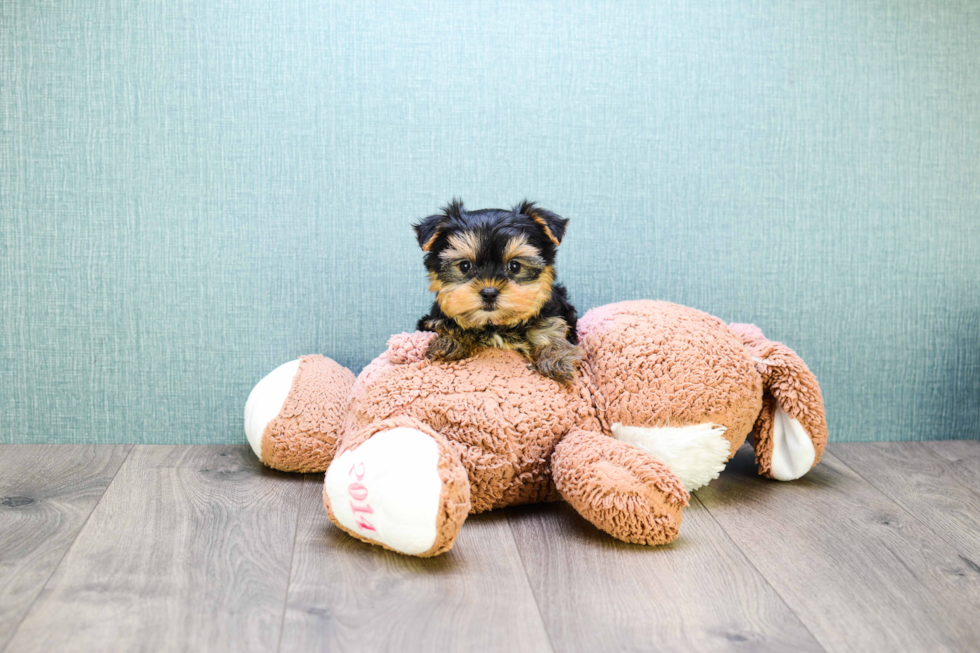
558 363
446 348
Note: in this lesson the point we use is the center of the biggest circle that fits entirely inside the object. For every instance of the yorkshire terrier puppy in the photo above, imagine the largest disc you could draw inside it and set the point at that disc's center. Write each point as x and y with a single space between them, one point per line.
493 272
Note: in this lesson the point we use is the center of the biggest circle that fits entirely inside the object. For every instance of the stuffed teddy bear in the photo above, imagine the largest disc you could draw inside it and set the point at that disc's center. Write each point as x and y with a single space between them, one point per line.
664 397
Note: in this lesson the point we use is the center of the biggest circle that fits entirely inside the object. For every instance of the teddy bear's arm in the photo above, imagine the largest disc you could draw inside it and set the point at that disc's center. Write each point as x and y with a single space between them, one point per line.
621 489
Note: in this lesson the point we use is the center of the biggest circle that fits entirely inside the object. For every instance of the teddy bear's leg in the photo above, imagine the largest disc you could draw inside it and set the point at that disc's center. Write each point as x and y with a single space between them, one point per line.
696 454
618 487
295 414
790 433
399 484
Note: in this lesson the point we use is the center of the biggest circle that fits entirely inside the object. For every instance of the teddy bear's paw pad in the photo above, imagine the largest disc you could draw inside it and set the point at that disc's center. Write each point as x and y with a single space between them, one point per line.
792 449
387 490
696 454
266 400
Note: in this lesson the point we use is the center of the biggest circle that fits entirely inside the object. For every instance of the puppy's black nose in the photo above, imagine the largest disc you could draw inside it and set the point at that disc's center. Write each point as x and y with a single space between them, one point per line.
489 294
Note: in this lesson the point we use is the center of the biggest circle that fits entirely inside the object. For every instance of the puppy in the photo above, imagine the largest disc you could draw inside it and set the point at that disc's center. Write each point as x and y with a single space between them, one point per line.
493 274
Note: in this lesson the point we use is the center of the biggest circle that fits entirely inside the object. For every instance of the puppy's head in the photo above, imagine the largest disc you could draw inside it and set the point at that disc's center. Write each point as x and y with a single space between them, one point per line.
491 266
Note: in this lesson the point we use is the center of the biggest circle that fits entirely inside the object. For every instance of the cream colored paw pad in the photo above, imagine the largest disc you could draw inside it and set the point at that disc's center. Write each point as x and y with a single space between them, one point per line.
388 489
696 454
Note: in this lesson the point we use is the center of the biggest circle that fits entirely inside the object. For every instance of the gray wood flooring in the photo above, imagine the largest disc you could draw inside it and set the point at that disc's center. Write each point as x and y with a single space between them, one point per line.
160 548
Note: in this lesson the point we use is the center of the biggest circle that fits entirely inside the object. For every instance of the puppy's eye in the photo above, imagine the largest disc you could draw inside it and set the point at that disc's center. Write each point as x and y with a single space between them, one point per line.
514 267
465 267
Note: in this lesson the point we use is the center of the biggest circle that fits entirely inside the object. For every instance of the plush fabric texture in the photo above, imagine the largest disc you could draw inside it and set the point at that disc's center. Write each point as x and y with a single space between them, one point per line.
659 364
616 486
501 418
303 437
789 381
507 435
696 454
454 500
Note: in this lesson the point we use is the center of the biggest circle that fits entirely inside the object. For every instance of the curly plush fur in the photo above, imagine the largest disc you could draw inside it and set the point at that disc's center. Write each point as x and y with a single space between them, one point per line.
665 395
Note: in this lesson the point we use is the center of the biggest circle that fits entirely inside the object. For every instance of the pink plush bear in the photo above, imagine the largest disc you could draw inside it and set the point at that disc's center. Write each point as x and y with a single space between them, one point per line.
664 397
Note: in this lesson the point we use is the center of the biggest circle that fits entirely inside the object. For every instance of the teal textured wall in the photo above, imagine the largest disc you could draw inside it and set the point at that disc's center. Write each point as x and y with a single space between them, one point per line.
194 192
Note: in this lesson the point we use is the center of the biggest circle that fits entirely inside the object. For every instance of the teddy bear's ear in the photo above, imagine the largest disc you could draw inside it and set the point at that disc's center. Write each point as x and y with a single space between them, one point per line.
428 229
790 433
552 224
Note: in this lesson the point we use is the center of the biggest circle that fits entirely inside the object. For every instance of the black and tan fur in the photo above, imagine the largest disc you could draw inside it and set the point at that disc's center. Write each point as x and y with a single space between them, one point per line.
509 257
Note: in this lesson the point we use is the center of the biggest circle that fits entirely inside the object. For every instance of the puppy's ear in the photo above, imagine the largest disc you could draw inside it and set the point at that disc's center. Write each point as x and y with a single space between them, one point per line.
552 224
428 229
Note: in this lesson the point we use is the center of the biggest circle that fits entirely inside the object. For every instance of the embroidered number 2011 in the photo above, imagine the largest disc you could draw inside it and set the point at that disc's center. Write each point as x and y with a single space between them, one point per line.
359 498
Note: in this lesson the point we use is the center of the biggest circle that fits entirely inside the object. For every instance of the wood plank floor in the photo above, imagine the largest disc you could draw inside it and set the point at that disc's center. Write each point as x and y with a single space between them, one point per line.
154 548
